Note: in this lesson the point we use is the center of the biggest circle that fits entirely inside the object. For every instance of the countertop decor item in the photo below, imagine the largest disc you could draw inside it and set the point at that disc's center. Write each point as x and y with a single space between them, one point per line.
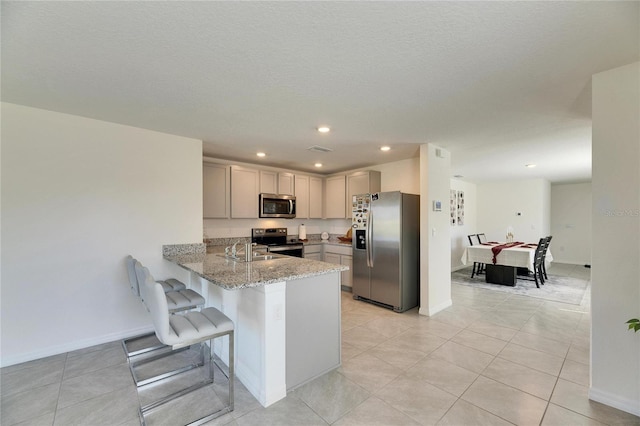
347 236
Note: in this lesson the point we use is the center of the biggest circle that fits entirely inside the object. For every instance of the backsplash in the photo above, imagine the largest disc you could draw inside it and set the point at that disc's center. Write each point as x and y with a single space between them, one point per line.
210 242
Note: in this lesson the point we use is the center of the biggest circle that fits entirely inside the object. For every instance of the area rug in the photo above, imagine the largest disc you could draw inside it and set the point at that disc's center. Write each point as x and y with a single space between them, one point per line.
557 288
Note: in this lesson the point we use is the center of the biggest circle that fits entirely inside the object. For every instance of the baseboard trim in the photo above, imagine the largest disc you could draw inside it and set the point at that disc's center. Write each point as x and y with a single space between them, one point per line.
71 346
429 311
615 401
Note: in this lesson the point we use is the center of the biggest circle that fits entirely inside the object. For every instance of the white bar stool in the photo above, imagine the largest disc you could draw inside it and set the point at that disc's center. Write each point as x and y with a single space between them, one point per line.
181 331
179 298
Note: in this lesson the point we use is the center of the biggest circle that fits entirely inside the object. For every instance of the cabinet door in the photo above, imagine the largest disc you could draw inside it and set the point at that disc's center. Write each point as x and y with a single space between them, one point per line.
245 184
361 183
346 275
215 191
335 206
315 198
313 256
268 182
285 184
302 196
332 258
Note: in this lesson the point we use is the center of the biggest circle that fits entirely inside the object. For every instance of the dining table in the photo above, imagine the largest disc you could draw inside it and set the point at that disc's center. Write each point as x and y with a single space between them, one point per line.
503 260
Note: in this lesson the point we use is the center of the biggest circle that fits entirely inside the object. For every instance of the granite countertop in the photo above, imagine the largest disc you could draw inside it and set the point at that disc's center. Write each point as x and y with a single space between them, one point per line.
327 242
233 275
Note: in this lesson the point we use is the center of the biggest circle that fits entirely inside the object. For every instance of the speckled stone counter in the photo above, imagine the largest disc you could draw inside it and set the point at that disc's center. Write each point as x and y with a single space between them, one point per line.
329 243
286 315
233 275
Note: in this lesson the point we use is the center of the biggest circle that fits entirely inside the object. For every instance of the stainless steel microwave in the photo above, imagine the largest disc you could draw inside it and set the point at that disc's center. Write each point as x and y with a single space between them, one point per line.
280 206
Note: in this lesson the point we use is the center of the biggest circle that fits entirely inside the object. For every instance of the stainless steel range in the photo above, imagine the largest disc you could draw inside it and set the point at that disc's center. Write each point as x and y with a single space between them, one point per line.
276 241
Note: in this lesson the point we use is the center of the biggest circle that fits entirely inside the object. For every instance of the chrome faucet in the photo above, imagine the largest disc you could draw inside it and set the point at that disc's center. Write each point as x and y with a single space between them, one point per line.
233 252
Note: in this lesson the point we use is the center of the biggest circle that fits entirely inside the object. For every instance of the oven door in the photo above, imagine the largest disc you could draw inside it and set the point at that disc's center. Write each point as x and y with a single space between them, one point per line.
279 206
295 251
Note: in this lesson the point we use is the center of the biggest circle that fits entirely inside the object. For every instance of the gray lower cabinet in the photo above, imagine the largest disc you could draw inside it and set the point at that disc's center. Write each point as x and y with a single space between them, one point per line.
313 251
340 255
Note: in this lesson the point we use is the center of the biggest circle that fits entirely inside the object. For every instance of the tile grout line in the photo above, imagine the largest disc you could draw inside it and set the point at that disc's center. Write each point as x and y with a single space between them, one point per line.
55 411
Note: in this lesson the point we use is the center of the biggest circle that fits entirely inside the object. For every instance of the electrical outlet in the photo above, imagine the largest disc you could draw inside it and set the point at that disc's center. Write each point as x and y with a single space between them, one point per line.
277 313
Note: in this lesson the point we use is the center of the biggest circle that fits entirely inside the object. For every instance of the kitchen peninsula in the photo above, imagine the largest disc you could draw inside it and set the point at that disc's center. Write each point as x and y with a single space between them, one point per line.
286 312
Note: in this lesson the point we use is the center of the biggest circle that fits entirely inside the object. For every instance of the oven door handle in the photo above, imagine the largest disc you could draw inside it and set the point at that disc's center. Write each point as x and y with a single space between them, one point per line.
276 249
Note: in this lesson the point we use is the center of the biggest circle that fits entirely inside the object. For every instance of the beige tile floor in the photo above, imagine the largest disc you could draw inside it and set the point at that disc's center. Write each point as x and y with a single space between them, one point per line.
490 359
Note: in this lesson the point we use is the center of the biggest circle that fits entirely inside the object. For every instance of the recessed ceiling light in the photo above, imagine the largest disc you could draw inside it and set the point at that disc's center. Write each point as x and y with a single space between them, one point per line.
261 154
385 148
318 164
531 166
324 129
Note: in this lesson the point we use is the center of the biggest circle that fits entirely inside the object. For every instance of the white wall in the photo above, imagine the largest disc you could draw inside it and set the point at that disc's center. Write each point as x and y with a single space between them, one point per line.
571 223
500 202
615 288
403 176
78 195
459 240
435 235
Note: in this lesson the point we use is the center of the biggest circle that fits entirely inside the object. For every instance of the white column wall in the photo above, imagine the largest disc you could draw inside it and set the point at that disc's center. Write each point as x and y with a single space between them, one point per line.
435 235
615 278
500 202
571 223
403 176
78 195
459 240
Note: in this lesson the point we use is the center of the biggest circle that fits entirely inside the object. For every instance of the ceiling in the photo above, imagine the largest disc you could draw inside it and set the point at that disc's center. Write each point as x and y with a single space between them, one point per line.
497 84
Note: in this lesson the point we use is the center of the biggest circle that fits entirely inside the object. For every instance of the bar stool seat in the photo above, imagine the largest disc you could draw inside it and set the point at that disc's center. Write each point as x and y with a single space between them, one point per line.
183 299
172 284
180 331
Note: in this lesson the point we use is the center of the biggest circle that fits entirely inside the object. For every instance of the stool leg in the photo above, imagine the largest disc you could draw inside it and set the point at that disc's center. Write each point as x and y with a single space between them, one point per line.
231 369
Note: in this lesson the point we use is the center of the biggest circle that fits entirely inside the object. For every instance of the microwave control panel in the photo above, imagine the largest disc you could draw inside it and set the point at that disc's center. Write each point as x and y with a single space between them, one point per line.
360 206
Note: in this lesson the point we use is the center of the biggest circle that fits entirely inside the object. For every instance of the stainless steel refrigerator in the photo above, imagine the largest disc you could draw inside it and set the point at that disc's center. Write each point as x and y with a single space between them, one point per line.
386 249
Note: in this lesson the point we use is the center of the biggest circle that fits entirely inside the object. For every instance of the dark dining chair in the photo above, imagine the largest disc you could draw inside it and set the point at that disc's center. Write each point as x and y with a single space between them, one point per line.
544 255
481 238
537 273
478 268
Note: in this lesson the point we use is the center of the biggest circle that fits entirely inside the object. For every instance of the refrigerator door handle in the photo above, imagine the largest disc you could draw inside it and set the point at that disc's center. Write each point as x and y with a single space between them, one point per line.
369 239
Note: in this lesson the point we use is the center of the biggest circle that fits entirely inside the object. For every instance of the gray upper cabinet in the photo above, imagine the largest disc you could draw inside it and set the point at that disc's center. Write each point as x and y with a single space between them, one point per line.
245 187
216 190
364 182
302 196
286 183
316 196
268 182
335 198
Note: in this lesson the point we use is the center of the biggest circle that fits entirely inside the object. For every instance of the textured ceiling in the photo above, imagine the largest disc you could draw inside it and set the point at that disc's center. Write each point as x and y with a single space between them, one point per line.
498 84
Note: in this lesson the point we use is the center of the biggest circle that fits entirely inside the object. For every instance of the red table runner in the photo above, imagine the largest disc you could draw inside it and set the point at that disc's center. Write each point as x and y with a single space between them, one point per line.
497 249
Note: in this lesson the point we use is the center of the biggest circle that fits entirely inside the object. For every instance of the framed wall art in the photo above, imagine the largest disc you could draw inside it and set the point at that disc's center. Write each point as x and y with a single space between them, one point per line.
453 201
460 208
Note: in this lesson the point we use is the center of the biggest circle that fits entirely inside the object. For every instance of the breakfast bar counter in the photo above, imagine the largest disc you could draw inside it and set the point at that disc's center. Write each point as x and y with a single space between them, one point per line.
233 275
286 313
